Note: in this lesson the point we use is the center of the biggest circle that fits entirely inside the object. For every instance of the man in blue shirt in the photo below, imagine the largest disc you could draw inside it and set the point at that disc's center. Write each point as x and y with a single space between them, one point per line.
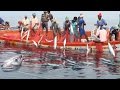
101 22
81 24
1 21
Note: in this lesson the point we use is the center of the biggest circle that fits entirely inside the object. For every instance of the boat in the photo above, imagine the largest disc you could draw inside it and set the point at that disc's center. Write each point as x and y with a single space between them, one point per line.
39 39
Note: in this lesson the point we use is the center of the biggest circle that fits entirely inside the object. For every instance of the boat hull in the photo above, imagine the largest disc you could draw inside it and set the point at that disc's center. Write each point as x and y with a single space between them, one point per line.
13 38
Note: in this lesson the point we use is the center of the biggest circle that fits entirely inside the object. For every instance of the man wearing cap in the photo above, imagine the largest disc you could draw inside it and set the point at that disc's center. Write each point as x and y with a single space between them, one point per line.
1 23
75 28
114 31
26 23
81 24
44 21
34 22
66 25
101 22
50 16
56 28
101 33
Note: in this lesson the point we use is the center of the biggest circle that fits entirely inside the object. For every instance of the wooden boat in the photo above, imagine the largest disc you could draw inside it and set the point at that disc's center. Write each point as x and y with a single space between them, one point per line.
39 38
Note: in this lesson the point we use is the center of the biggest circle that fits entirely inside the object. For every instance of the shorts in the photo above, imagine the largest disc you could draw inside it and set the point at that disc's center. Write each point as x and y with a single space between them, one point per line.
82 32
45 25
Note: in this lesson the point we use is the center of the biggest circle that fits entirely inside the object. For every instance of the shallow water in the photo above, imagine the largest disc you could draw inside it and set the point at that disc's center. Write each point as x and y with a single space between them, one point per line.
58 64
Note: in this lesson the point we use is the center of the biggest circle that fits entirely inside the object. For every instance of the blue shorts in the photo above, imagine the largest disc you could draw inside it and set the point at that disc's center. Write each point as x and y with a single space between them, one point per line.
82 32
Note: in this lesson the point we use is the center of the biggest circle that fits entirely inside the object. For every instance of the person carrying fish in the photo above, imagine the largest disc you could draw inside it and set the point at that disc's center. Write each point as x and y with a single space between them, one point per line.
75 28
56 28
101 33
81 24
66 27
44 21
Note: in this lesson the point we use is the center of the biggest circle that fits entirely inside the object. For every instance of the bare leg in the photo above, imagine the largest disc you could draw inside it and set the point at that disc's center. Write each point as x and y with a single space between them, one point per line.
86 38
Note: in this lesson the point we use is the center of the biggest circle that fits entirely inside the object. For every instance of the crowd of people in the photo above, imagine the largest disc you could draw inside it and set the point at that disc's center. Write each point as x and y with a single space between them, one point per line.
75 28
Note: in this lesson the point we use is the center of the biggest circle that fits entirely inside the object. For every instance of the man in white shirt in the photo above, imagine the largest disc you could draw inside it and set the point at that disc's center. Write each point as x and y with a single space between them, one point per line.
34 22
26 23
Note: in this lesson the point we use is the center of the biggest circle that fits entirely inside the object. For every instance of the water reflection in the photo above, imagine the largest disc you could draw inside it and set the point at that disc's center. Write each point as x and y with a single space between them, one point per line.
62 64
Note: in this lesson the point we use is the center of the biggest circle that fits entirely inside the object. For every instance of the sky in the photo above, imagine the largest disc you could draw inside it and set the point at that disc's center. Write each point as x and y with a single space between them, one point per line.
90 17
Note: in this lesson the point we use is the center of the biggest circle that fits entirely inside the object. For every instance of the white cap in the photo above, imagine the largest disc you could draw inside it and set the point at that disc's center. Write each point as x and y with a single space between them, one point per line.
81 15
55 20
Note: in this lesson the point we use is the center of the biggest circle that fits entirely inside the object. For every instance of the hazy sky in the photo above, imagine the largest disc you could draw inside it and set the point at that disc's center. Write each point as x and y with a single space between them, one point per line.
112 17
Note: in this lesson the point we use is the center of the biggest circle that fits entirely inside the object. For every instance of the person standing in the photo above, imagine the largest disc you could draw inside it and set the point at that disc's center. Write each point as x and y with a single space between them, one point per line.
44 21
101 33
66 27
26 23
81 24
101 23
75 28
50 16
34 23
56 28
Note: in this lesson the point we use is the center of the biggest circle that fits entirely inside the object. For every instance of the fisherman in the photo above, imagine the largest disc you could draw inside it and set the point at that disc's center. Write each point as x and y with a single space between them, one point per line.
101 23
50 16
26 23
101 33
81 25
20 24
34 22
1 23
114 31
44 21
56 28
66 27
7 25
75 28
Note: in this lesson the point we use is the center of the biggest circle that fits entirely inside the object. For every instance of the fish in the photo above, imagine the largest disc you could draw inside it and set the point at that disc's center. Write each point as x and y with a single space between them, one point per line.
88 50
71 29
21 32
12 63
64 43
107 61
55 42
28 34
35 43
111 49
40 40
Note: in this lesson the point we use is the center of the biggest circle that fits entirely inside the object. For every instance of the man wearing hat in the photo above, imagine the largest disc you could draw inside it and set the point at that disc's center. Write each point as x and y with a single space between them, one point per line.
114 31
34 22
66 27
44 21
55 27
81 24
26 23
101 31
101 22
